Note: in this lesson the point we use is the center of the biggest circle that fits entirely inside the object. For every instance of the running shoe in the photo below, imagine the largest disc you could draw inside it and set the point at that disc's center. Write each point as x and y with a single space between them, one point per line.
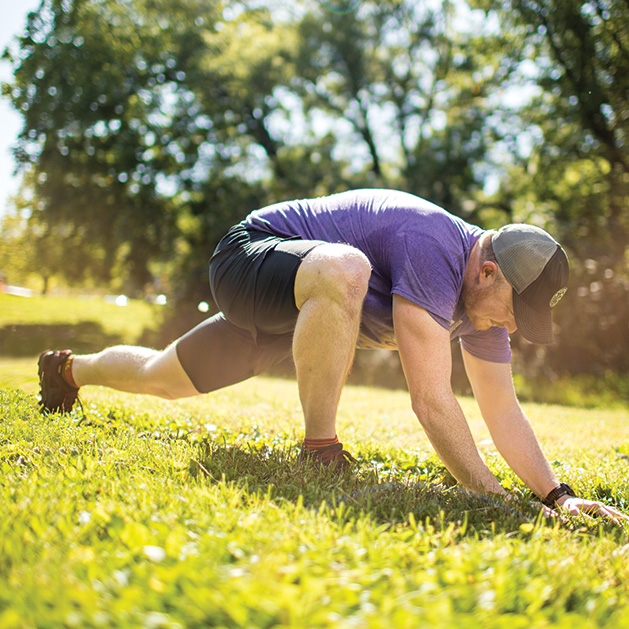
329 455
55 394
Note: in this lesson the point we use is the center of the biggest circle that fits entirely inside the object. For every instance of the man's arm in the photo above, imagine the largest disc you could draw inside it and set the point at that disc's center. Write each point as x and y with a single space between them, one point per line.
424 348
509 427
513 434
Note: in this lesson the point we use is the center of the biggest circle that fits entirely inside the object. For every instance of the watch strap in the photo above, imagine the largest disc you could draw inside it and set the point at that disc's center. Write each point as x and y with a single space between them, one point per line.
562 489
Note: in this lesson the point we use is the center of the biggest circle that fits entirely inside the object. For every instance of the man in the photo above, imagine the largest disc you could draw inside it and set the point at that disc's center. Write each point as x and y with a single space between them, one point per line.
366 268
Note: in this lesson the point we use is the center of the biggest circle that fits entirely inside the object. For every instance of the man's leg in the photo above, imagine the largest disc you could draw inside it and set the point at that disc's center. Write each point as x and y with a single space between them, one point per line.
330 288
213 355
135 370
125 368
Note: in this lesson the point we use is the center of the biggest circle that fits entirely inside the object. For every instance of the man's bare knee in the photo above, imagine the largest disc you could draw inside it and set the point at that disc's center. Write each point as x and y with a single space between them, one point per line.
335 271
166 378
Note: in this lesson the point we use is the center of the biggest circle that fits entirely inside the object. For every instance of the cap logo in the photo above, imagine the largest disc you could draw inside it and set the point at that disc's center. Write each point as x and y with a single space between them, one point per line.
557 296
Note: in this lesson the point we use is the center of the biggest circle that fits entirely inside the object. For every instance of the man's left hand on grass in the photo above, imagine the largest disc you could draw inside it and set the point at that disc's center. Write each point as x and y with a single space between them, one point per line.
575 506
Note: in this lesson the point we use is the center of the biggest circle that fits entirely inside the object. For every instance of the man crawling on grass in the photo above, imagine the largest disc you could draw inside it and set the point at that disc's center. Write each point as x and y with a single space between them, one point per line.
317 278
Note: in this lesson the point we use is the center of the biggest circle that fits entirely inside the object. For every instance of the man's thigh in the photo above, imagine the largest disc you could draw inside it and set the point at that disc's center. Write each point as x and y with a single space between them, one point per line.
216 353
252 277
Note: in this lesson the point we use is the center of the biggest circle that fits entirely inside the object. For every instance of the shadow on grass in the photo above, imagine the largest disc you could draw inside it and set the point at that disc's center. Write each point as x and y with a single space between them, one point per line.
31 339
359 491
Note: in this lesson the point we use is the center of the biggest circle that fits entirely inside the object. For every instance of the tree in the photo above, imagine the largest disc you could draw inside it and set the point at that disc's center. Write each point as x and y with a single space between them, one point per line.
107 122
580 161
574 176
414 86
139 117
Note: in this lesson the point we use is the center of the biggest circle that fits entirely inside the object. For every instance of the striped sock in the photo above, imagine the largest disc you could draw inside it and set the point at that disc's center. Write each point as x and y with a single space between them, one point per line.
317 444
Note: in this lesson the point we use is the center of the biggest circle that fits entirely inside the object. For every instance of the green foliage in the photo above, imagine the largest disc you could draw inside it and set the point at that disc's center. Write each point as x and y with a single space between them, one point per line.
107 121
196 513
149 127
605 391
414 90
16 252
569 170
577 172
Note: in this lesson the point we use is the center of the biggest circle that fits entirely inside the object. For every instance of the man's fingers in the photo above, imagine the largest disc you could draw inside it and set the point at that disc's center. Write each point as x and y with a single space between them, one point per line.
574 510
587 508
591 508
605 510
619 514
614 514
548 512
602 511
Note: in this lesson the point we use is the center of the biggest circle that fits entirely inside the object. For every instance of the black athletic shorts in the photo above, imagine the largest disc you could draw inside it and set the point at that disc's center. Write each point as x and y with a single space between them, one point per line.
252 278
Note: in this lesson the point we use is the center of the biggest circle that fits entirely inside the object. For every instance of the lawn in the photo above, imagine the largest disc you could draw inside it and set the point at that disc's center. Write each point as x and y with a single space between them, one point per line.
126 321
135 512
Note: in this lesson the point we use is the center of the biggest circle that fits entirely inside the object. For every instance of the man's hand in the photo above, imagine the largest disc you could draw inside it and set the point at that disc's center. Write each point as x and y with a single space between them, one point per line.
574 506
589 508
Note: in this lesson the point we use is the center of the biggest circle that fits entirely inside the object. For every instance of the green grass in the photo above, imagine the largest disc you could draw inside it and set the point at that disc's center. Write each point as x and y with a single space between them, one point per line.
126 322
145 513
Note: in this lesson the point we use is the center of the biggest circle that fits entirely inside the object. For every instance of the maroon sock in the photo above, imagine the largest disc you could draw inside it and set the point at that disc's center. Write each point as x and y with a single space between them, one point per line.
317 444
67 372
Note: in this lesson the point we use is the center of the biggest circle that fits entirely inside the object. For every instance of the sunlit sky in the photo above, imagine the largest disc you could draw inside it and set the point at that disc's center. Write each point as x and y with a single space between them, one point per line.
13 21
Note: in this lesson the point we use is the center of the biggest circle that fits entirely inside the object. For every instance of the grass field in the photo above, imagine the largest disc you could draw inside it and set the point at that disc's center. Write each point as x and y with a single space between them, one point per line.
126 322
144 513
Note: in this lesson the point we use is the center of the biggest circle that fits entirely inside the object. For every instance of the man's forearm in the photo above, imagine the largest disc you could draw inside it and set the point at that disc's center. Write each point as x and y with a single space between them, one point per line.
449 433
514 437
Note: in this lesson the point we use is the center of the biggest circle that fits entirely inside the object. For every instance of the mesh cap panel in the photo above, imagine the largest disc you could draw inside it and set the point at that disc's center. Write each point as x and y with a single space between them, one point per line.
522 252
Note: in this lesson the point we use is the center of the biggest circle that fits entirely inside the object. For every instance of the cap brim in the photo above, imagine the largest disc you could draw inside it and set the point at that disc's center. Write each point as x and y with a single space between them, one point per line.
536 327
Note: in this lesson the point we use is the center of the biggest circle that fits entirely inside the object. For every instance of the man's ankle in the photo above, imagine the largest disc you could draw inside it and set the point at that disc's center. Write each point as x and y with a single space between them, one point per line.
317 444
66 372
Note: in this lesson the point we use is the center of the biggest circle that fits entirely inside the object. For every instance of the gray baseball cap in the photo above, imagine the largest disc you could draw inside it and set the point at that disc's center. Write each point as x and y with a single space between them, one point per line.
537 268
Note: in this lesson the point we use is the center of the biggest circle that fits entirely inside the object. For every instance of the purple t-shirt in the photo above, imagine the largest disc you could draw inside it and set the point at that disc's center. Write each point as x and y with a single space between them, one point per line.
417 250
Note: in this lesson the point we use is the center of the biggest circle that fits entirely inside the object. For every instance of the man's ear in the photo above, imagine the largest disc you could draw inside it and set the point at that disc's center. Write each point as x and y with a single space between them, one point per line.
488 272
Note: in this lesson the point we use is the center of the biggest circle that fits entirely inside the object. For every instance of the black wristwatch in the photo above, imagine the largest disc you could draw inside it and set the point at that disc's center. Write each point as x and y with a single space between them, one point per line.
561 490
